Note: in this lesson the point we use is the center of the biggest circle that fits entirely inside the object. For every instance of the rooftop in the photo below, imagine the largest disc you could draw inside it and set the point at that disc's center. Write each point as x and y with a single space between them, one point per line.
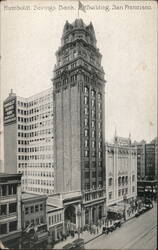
26 196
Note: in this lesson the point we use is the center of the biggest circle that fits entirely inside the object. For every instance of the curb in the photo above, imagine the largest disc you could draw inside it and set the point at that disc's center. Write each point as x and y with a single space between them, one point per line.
93 238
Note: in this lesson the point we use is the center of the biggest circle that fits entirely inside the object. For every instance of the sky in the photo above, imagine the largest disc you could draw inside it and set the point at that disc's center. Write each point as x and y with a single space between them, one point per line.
125 37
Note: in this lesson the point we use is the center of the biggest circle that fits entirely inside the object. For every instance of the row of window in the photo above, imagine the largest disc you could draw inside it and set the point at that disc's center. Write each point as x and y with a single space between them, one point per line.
35 110
35 157
40 182
94 174
36 101
10 189
36 149
36 221
93 153
93 144
39 173
86 102
93 93
93 164
36 125
93 195
55 219
36 133
40 190
6 209
4 228
34 208
93 185
35 117
36 165
27 142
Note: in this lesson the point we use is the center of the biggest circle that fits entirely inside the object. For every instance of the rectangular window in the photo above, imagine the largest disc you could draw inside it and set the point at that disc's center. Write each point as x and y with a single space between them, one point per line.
12 226
110 181
36 208
49 221
4 190
3 228
41 207
110 195
3 209
133 189
26 210
32 209
12 207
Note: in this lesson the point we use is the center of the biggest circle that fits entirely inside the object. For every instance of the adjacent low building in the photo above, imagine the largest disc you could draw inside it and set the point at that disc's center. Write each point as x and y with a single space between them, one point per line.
121 172
34 222
55 220
10 210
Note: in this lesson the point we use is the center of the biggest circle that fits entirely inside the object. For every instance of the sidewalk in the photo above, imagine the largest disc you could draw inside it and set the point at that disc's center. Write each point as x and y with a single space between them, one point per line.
86 235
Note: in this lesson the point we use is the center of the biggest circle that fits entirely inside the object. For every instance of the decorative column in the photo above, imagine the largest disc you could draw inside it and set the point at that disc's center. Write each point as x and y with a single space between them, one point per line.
83 217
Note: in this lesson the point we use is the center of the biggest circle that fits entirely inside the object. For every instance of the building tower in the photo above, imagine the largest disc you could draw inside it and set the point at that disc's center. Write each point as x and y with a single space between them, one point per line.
78 94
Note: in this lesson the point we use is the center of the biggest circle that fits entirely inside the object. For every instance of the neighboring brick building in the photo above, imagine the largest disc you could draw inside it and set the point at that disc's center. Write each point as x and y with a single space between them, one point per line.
78 92
10 210
28 140
33 209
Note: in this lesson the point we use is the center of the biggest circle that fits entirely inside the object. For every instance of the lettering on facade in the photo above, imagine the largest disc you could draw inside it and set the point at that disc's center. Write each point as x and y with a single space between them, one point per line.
10 112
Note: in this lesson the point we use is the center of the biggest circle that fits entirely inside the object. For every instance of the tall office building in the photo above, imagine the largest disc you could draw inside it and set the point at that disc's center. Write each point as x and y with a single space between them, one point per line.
78 95
28 140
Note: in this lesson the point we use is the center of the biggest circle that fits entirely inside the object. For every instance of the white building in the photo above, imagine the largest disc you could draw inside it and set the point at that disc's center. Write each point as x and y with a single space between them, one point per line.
121 171
28 140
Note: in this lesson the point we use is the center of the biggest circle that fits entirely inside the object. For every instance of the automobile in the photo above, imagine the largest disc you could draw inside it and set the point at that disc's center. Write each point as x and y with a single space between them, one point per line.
117 223
79 244
104 230
137 214
68 246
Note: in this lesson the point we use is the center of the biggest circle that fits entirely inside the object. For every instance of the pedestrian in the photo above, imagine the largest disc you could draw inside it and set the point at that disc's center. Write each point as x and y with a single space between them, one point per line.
97 230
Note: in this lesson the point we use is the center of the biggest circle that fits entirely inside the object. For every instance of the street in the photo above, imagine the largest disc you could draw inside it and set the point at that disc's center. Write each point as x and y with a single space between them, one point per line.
137 233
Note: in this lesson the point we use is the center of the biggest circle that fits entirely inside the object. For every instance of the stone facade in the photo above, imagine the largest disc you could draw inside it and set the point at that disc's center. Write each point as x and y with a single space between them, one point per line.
78 95
121 171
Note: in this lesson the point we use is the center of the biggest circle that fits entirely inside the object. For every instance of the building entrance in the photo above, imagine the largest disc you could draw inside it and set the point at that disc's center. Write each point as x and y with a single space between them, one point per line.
70 218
